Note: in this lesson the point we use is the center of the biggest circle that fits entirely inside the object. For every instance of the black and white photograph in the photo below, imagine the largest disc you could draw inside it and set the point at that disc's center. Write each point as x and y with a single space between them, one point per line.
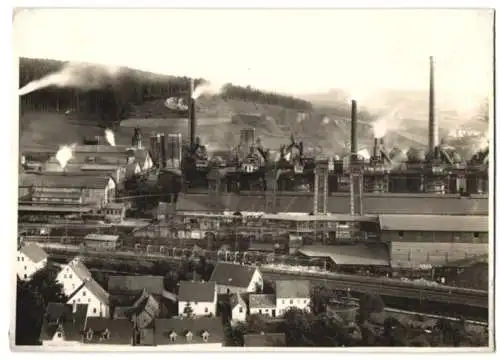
248 179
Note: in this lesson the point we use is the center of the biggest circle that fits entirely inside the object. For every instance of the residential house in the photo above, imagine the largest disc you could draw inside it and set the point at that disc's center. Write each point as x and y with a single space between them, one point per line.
238 307
203 333
231 278
92 294
264 340
73 275
292 293
103 332
197 298
263 304
30 259
135 283
142 312
62 324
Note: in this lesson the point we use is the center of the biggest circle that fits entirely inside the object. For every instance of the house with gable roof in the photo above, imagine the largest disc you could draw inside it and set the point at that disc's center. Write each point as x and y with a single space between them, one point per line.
92 294
102 332
292 293
239 308
73 275
30 259
262 304
233 278
62 324
197 298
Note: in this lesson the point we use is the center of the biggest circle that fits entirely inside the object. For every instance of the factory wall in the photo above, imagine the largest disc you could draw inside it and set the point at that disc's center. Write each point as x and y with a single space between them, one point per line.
435 237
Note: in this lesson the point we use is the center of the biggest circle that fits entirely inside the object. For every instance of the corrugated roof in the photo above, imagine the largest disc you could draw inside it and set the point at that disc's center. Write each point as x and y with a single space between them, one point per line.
232 274
359 254
262 301
456 223
197 291
181 326
264 340
66 180
339 203
123 283
101 237
34 252
120 331
292 289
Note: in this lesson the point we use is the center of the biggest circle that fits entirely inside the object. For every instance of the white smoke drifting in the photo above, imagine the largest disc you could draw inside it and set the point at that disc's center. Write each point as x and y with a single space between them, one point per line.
64 155
207 88
110 137
81 75
176 104
326 120
364 154
386 123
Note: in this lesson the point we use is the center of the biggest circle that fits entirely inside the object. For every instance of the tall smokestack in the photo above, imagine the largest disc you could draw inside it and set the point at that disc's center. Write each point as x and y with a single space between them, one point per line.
354 130
375 147
192 115
433 124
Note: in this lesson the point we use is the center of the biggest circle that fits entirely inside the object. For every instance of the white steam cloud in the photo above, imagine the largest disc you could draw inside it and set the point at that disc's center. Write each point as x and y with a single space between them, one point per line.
64 155
386 123
110 137
364 154
176 104
207 88
326 120
81 75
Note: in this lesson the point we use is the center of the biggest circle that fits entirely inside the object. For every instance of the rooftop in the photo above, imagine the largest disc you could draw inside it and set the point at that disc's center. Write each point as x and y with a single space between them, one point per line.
197 291
262 301
61 317
232 274
108 331
359 254
64 180
101 237
130 283
34 252
292 289
174 331
452 223
80 269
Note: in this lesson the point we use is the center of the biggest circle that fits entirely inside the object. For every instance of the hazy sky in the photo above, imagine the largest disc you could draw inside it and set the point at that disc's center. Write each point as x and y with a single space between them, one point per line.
294 51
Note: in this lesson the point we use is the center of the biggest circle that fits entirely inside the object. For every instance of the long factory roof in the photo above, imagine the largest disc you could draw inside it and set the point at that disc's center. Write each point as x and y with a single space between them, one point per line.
340 203
54 209
64 180
359 254
434 223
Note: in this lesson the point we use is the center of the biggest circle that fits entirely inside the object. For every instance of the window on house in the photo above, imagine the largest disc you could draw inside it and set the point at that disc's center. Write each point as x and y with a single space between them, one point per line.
401 233
94 311
18 258
260 311
476 235
25 267
65 276
206 310
89 300
22 258
241 309
84 293
25 276
305 301
74 301
59 335
70 276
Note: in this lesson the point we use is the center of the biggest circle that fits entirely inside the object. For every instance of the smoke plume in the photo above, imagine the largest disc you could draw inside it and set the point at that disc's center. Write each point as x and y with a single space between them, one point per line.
110 137
64 155
81 75
326 120
206 88
176 104
364 154
386 123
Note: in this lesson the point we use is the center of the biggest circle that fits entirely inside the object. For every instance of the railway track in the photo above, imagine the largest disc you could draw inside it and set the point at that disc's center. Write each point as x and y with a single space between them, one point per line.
385 287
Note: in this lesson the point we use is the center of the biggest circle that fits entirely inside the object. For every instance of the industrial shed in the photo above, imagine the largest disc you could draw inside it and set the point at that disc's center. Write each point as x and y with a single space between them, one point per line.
67 188
101 242
434 228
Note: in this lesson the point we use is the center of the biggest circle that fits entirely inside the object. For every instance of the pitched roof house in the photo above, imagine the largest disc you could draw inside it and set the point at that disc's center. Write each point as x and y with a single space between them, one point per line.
104 331
92 294
63 324
30 259
292 293
236 278
197 298
72 275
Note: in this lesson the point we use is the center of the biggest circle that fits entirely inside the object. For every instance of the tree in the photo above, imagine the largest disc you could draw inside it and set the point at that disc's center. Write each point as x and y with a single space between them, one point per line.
188 310
45 286
368 304
297 325
320 297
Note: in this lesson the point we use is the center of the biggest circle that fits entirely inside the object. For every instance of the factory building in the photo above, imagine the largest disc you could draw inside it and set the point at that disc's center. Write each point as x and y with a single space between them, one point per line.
67 189
433 240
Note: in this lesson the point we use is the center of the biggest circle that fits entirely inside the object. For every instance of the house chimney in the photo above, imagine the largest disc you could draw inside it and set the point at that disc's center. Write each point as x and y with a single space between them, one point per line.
433 123
354 130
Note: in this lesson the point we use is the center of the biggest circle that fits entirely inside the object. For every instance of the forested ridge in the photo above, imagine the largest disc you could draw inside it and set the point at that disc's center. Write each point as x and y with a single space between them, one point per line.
113 95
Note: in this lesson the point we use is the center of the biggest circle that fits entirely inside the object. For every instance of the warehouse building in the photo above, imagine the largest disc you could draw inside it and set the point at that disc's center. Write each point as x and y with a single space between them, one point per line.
101 241
66 189
433 240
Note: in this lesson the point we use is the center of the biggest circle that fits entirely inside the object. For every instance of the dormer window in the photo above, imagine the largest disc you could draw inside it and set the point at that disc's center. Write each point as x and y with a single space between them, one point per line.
173 336
205 336
89 334
106 334
189 336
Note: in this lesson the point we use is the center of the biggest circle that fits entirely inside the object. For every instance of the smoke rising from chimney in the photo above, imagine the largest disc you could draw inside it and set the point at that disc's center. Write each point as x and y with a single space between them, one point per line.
80 75
110 137
64 155
206 88
386 123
